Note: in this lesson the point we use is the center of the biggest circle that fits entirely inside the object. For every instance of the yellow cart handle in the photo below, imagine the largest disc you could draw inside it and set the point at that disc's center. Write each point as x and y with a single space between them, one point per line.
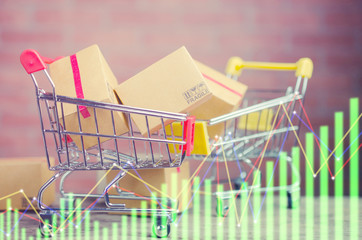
303 68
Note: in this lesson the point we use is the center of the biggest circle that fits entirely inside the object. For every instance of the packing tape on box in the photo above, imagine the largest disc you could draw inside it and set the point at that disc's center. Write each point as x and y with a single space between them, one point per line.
78 84
222 85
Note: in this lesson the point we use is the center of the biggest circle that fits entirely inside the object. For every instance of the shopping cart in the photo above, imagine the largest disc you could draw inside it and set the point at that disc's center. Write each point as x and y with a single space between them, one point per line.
121 152
260 129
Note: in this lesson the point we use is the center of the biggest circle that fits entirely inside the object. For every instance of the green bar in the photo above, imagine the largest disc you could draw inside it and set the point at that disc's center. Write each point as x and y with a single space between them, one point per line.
124 227
256 203
208 209
144 219
95 230
282 196
323 157
46 224
338 181
16 229
196 208
54 226
354 168
220 227
296 163
295 179
324 179
2 226
269 200
63 217
231 216
105 234
79 219
309 178
87 225
115 231
338 163
31 238
134 224
154 205
185 217
283 174
231 219
174 193
165 204
8 216
23 233
309 191
38 234
354 164
244 213
71 218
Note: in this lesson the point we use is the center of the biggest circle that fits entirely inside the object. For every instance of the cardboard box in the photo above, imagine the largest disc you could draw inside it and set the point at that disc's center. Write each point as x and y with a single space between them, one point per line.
155 178
227 95
87 75
172 84
28 174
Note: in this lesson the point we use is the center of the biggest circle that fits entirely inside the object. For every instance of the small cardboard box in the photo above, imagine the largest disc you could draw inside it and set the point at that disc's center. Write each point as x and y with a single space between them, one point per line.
28 174
172 177
172 84
227 95
87 73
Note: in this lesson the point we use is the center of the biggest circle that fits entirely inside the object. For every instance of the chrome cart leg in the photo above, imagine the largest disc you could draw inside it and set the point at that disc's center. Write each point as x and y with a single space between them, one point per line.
106 195
45 226
44 187
61 184
68 200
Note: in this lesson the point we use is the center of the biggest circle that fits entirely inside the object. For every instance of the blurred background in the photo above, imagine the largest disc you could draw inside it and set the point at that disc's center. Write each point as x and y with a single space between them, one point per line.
134 34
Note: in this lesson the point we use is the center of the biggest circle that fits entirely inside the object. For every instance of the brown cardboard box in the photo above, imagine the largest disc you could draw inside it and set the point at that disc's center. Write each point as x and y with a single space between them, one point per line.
97 83
155 178
227 95
172 84
28 174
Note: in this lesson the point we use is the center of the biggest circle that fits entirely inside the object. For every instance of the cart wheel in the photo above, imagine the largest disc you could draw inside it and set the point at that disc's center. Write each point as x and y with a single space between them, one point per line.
46 231
238 184
290 202
161 229
293 199
220 209
45 228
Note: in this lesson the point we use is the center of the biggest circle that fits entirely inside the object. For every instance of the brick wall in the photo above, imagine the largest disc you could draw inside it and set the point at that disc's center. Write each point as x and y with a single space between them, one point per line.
133 34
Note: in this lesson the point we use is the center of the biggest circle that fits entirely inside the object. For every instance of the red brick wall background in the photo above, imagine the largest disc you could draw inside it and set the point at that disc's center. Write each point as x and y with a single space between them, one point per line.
134 34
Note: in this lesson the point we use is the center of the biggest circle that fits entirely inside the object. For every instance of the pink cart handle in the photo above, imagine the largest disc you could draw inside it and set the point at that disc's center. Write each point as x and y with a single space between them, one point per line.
189 131
33 62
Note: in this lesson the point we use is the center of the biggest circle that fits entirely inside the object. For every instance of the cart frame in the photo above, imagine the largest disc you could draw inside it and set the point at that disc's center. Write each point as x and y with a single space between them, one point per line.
244 145
145 152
